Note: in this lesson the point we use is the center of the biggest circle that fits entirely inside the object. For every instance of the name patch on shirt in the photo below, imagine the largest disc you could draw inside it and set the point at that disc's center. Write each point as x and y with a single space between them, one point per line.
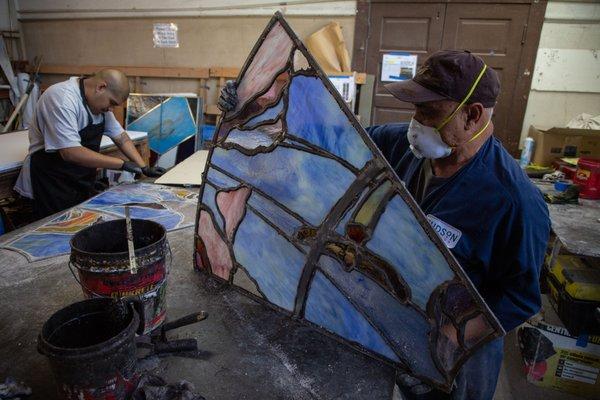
449 234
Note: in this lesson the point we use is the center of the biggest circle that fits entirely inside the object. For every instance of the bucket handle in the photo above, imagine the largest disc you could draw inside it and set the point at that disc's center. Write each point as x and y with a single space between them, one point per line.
83 285
135 301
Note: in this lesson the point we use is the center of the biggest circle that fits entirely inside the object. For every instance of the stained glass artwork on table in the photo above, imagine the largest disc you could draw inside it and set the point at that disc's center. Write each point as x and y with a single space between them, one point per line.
172 207
169 119
299 209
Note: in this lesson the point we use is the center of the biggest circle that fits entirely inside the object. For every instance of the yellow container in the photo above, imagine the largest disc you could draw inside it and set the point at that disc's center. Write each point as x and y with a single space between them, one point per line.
575 293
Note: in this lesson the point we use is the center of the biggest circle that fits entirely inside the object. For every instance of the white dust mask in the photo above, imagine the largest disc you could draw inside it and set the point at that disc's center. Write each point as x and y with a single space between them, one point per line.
426 142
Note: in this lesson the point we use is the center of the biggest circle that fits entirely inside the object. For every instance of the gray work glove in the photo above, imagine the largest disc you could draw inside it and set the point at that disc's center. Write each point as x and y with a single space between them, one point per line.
132 167
228 97
413 389
153 172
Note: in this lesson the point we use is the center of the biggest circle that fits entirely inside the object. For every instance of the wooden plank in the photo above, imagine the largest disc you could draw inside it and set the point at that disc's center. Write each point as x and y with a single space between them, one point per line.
212 109
232 73
146 72
224 72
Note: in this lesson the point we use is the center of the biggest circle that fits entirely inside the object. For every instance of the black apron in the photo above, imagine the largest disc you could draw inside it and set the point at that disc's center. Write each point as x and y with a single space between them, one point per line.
58 184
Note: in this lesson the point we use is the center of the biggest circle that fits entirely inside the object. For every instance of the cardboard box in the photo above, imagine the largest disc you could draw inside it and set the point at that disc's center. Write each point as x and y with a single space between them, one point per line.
553 358
554 143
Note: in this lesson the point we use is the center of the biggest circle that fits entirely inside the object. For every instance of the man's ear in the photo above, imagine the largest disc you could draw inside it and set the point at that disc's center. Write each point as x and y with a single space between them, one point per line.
474 113
101 87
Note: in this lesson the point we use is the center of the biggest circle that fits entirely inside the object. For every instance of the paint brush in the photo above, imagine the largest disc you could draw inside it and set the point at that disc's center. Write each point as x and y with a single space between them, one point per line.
130 247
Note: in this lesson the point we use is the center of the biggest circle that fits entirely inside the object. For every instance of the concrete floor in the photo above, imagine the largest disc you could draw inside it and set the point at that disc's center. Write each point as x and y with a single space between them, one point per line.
247 351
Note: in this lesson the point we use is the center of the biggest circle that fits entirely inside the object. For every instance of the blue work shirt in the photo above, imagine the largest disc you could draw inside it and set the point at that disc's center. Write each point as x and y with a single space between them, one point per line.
500 215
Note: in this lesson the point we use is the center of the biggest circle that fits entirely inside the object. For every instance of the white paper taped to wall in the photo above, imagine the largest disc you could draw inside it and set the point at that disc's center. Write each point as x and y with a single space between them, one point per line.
165 35
398 67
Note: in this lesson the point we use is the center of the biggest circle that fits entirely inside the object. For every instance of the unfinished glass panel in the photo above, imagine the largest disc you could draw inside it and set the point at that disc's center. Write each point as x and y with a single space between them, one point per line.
328 233
168 119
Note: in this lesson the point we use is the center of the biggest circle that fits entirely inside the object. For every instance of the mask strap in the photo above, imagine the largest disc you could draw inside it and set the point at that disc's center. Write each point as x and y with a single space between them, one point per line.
475 136
462 103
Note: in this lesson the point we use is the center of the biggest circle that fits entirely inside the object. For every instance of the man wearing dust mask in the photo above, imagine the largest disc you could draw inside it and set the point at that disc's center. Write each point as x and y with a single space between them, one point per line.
485 209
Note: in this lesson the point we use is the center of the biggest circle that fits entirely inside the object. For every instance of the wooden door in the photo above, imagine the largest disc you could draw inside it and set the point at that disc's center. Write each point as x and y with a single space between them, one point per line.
494 32
414 28
504 33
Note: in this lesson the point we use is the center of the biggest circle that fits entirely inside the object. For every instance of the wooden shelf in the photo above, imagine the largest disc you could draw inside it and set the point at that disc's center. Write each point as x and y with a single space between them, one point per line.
144 72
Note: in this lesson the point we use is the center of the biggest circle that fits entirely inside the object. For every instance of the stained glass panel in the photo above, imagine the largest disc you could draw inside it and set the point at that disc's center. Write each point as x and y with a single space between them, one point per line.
300 209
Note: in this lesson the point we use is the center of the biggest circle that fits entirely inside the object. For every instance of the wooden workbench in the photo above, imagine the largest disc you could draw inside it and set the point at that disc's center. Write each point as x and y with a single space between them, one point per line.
14 147
576 226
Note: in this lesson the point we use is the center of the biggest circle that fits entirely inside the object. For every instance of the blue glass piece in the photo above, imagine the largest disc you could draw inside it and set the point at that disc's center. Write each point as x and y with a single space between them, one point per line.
297 144
327 307
168 124
306 183
400 240
387 313
268 115
275 214
209 199
220 180
273 262
116 196
314 115
168 218
42 245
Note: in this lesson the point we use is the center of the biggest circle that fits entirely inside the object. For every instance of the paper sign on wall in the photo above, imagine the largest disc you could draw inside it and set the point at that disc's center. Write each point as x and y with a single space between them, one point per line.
346 86
165 35
398 67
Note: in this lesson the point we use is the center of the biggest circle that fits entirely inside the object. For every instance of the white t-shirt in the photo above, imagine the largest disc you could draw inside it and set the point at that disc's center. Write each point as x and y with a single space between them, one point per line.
59 116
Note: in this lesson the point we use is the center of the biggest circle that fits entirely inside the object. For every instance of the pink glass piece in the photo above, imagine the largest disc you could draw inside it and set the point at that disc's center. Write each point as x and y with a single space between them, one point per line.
215 247
475 330
447 345
268 62
232 204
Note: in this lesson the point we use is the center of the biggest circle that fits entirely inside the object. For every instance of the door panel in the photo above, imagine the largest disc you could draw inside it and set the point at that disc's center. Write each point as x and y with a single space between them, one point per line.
414 28
494 32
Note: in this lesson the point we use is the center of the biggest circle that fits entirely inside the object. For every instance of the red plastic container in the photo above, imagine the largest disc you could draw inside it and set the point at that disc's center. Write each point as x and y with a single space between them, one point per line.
588 178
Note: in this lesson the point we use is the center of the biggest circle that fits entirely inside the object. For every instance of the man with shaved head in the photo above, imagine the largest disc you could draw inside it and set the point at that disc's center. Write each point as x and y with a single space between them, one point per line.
64 141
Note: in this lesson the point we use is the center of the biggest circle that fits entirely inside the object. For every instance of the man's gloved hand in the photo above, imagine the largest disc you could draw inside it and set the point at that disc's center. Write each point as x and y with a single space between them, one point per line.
132 167
228 97
413 389
153 172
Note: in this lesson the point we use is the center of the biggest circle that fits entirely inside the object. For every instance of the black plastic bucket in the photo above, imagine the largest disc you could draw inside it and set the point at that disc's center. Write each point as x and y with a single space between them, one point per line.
92 350
101 256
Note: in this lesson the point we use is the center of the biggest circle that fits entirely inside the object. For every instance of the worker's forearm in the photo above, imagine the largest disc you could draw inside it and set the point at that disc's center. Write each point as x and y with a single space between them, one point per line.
125 144
89 158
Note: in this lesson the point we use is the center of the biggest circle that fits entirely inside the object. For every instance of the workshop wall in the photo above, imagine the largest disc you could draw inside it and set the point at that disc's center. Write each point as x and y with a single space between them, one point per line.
204 41
566 80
